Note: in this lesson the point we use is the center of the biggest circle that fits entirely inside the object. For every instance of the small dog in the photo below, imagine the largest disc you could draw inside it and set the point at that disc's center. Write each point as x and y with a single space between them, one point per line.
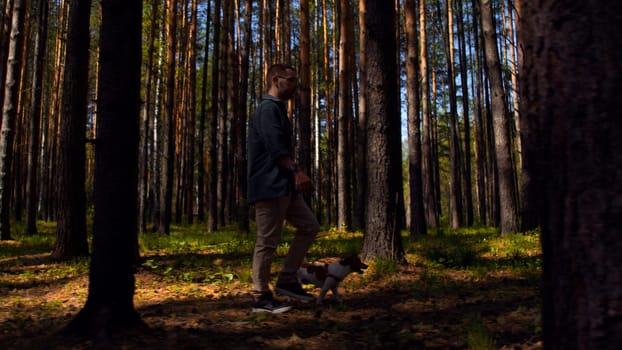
328 276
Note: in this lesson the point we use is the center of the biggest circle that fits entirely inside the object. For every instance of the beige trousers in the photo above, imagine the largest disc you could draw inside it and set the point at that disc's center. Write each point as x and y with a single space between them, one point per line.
269 216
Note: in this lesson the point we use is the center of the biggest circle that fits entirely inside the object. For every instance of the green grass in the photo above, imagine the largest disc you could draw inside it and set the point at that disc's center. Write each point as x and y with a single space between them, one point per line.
477 335
472 283
478 249
475 249
191 254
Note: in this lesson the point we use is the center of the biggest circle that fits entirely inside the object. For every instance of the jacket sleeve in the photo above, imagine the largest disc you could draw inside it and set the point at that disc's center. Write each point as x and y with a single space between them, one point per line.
273 131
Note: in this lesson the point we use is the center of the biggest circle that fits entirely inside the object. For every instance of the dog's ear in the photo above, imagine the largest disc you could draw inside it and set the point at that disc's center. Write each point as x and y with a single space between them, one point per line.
349 260
359 265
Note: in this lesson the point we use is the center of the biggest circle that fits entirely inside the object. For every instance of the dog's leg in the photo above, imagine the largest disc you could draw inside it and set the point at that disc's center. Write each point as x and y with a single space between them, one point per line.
325 287
335 290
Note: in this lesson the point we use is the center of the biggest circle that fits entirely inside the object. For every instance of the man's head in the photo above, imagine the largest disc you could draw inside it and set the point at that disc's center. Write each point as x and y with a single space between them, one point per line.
282 81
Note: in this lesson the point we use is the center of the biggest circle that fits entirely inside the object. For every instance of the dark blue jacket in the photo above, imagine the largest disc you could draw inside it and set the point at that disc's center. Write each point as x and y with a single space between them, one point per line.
269 138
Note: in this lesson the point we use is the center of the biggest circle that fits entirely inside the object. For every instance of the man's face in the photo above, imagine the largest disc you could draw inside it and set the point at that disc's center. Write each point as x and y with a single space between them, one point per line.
286 84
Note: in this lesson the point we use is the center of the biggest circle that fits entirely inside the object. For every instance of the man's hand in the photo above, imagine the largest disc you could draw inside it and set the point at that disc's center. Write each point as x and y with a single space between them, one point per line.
303 182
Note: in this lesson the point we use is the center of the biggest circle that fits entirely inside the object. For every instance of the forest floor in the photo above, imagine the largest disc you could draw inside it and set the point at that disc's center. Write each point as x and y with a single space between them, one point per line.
458 291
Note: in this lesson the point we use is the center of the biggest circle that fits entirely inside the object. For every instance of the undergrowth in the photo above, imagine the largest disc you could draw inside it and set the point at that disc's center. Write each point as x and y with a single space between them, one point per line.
475 266
191 254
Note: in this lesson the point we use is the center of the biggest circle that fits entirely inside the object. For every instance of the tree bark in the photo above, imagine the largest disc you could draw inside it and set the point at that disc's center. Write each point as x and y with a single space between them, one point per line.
361 126
71 238
168 126
146 143
501 124
242 117
427 145
382 236
571 90
344 179
9 115
304 73
224 94
456 216
109 306
202 118
5 30
530 211
467 182
191 101
480 135
35 118
328 165
415 183
212 220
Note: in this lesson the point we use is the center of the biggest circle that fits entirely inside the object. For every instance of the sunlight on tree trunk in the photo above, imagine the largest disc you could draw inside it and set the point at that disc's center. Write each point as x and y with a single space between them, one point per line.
382 237
9 115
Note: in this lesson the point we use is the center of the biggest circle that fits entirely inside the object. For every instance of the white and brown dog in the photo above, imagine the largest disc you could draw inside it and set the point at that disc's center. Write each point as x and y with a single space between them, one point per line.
328 276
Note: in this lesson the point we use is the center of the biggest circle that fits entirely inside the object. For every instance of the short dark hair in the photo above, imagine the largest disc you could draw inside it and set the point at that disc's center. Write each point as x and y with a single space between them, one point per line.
277 69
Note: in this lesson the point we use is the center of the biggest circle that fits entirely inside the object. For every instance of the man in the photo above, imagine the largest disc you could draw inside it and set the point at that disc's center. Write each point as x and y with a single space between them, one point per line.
274 185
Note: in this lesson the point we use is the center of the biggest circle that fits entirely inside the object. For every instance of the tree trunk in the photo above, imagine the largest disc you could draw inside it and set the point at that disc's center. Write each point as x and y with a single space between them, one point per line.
361 126
146 122
467 182
415 182
456 216
9 115
382 225
241 164
480 143
201 142
50 153
109 306
513 63
530 212
71 239
224 93
212 221
304 72
191 102
571 90
344 202
328 168
503 151
168 126
427 163
5 30
35 118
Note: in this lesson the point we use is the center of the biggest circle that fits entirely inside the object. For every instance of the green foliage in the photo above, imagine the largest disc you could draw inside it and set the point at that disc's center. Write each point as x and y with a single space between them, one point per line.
383 267
30 244
477 335
337 243
488 279
190 254
479 249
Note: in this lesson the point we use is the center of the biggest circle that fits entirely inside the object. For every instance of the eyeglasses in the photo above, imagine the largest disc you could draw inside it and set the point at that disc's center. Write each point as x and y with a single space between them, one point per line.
289 79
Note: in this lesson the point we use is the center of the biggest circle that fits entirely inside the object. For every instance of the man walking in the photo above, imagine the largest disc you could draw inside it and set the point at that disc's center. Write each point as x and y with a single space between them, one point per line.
275 184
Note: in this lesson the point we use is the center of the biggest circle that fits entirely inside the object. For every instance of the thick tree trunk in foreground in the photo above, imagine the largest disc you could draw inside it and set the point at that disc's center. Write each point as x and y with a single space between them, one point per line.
382 223
571 90
110 305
